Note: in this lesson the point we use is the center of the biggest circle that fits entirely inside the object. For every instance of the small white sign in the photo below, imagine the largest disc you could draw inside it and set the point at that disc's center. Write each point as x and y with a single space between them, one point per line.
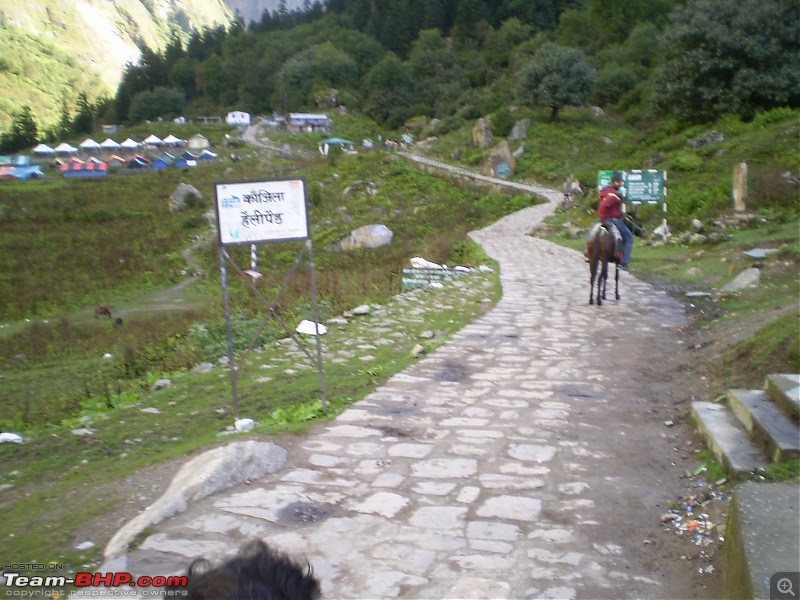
249 212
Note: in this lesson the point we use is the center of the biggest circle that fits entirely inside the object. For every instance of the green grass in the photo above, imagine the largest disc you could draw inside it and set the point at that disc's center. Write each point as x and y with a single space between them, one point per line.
59 465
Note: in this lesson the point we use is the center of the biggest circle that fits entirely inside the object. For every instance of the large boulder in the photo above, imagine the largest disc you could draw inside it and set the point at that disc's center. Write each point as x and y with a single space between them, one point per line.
213 471
368 236
500 162
482 135
327 98
177 201
520 131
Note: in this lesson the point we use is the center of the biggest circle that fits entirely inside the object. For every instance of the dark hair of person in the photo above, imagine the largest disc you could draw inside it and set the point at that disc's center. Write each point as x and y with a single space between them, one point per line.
257 572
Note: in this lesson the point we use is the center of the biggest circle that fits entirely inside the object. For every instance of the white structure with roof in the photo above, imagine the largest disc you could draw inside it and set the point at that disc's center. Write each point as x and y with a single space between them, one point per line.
89 144
152 140
109 144
171 140
43 150
130 144
65 148
238 117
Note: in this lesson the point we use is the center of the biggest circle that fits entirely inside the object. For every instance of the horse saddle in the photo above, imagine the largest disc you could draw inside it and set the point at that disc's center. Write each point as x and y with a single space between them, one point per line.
612 229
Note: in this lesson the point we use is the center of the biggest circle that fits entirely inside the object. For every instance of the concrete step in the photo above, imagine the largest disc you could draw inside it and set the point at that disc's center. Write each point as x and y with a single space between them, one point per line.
762 540
784 390
772 430
728 440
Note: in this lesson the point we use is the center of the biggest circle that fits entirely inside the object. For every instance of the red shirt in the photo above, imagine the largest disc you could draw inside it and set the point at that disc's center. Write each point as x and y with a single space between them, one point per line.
610 206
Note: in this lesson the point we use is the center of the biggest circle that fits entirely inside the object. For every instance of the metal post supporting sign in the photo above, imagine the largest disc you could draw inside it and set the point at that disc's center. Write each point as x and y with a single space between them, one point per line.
256 212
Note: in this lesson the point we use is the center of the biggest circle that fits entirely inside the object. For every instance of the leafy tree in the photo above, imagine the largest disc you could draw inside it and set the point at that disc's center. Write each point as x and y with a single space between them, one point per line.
499 43
213 78
389 91
320 66
84 120
439 78
161 102
24 132
614 19
555 77
183 76
730 56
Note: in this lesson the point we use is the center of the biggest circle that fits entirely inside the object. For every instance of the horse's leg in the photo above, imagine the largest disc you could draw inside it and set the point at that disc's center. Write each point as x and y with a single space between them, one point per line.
616 283
592 268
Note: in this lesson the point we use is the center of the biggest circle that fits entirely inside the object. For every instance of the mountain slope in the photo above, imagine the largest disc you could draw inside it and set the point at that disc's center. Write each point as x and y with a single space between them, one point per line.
52 50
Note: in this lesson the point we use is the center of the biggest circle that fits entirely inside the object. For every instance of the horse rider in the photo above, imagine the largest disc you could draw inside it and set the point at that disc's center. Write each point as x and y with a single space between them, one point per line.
609 210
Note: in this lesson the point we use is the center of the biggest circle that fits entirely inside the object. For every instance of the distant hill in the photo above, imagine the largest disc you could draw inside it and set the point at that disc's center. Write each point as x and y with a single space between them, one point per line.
251 10
52 50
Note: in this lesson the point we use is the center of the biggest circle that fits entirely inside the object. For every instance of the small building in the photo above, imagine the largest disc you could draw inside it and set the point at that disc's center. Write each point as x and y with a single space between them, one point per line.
308 123
210 120
237 117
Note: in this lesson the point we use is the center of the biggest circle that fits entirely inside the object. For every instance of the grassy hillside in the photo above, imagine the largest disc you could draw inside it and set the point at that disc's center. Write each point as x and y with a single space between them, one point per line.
51 50
68 245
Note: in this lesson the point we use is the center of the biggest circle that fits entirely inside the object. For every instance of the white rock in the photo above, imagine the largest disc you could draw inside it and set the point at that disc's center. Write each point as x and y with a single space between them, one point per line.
421 263
308 328
244 425
10 438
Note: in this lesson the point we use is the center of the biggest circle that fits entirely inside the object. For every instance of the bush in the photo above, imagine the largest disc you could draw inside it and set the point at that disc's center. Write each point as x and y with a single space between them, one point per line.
502 122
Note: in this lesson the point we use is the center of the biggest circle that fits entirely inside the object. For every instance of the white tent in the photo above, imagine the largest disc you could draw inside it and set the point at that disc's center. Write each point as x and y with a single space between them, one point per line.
130 144
152 140
43 149
65 148
171 140
109 144
89 144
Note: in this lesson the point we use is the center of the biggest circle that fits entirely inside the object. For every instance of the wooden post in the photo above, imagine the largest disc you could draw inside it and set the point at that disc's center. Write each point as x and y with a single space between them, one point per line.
740 187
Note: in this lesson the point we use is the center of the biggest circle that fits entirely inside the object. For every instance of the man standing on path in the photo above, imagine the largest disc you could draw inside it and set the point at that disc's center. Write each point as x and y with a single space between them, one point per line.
610 210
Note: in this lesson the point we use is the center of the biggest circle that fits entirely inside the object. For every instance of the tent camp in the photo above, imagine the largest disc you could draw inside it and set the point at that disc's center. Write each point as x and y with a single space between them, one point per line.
43 150
138 162
173 141
89 144
153 140
109 144
87 169
326 145
115 161
163 161
65 148
206 155
130 144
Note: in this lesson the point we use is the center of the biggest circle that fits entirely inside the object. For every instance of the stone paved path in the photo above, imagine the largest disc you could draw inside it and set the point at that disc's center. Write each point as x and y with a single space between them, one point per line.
507 464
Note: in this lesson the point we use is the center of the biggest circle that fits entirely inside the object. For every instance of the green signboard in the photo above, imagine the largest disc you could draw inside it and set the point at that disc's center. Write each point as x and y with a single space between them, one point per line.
639 186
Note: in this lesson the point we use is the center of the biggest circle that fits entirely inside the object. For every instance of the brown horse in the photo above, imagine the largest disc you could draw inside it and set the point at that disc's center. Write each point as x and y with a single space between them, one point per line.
602 248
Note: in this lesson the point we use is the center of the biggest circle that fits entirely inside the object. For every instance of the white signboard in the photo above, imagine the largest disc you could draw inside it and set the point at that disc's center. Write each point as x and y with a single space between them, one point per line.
249 212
